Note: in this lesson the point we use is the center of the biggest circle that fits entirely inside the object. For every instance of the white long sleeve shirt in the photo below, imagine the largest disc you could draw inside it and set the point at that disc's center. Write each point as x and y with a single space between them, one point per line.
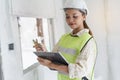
85 61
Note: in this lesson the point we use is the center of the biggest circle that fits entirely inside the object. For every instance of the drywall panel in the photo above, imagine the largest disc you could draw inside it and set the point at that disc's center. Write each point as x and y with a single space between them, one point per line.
33 8
113 25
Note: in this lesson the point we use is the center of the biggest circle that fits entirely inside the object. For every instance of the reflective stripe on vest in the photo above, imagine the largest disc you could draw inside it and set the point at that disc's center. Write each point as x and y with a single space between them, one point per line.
70 48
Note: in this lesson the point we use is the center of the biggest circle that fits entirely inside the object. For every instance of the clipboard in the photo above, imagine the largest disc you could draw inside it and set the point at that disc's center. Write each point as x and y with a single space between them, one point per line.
55 57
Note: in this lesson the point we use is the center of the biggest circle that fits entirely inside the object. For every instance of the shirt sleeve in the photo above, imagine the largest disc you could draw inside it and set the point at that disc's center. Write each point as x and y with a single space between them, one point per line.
84 62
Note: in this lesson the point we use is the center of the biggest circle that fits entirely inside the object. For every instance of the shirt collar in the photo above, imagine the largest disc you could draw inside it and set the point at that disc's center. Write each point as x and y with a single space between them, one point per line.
80 32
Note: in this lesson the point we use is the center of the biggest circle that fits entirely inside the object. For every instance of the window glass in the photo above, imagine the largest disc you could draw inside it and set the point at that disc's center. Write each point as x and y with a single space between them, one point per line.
32 28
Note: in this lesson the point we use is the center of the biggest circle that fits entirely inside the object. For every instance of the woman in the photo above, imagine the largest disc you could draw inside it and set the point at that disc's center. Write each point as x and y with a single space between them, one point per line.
78 47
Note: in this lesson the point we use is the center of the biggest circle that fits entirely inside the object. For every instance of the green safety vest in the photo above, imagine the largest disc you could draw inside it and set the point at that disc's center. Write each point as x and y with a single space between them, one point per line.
70 47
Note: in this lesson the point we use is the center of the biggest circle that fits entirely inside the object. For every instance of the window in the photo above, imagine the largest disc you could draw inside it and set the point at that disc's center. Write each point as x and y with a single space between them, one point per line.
32 28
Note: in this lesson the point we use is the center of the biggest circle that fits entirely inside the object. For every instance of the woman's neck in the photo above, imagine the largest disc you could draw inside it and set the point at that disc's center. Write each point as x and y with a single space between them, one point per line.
75 31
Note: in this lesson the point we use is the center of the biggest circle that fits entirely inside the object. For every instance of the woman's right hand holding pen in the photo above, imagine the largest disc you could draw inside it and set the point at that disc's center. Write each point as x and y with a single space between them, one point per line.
39 46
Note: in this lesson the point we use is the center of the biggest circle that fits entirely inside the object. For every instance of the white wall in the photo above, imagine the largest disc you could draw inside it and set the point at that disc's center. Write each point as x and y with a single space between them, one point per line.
10 59
104 21
113 26
58 22
1 71
33 8
97 22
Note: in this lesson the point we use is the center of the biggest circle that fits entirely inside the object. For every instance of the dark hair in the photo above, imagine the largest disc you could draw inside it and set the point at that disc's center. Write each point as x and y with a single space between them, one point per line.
84 12
86 26
84 22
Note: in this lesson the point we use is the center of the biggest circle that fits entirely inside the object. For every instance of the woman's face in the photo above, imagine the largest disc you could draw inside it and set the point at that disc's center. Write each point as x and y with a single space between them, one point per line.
74 18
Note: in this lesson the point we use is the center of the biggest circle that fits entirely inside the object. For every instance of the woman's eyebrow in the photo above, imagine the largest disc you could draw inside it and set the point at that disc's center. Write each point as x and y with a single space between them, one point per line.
66 14
74 13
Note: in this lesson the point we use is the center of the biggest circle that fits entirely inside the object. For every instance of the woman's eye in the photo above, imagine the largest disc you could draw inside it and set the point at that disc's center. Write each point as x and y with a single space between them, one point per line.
67 17
75 17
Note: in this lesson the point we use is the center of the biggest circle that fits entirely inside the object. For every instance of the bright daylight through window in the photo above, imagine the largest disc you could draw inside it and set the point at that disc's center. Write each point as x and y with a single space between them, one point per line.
32 28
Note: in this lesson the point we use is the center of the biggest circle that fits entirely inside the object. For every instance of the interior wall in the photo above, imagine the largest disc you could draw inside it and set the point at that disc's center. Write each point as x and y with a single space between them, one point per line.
10 58
58 22
96 20
104 22
113 26
33 8
1 72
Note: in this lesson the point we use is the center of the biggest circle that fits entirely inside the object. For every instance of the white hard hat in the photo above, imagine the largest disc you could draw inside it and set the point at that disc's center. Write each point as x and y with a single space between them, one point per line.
77 4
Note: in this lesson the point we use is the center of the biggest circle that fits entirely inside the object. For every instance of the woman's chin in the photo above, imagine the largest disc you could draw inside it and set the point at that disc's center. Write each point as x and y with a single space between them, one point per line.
73 27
